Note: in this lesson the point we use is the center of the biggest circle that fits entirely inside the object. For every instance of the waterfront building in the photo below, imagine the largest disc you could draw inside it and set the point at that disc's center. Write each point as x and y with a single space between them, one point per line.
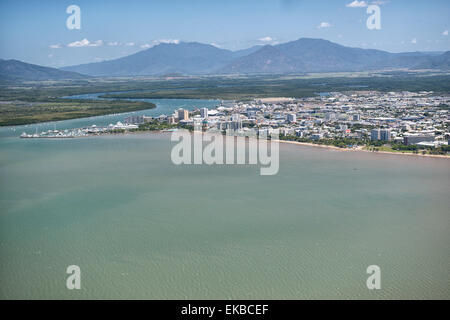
134 120
385 135
183 114
380 134
171 120
415 139
375 134
204 113
147 119
299 133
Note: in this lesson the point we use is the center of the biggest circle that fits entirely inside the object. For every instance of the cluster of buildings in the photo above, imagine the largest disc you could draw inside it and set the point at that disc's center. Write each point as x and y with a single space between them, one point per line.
400 117
407 118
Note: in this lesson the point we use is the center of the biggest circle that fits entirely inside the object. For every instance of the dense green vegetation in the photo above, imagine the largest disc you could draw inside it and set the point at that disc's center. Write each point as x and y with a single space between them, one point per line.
398 147
242 89
338 142
372 145
155 126
20 112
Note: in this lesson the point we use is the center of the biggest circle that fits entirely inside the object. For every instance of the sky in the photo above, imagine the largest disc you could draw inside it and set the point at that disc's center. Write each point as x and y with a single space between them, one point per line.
36 31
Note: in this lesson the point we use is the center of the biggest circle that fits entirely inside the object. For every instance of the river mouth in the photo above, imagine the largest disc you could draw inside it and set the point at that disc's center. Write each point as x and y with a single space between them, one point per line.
163 106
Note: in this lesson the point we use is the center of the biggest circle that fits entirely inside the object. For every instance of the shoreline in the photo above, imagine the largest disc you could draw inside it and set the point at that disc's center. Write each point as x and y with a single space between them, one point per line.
307 144
361 149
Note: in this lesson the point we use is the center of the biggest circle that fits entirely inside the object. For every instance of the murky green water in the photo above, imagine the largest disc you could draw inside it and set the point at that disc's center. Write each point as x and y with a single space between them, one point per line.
140 227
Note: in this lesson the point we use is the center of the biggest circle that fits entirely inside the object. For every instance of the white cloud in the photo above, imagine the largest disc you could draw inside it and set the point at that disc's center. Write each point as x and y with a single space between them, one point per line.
97 43
445 33
414 41
174 41
50 55
266 39
113 43
55 46
145 46
85 43
130 44
357 4
81 43
324 25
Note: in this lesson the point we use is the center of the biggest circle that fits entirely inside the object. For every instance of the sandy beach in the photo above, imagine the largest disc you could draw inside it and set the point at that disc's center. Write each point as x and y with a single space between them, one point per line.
361 148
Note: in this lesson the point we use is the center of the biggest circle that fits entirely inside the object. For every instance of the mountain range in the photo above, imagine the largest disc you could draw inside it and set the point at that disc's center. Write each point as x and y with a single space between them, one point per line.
193 58
166 58
15 70
302 55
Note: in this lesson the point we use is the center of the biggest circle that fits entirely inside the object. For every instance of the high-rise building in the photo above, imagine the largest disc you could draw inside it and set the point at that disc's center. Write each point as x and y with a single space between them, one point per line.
380 134
356 117
204 113
375 135
385 134
183 114
292 117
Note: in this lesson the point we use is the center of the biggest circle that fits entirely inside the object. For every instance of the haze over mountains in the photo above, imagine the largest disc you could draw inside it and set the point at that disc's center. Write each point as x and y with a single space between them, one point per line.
14 70
193 58
166 58
303 55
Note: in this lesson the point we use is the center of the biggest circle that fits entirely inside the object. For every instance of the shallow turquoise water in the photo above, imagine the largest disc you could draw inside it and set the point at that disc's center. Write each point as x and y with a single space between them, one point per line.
140 227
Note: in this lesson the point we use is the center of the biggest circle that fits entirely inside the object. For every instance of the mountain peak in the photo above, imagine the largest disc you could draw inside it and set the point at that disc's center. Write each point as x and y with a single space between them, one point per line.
298 56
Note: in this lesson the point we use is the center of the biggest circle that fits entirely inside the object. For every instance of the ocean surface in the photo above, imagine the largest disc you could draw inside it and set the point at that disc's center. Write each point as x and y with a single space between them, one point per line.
141 227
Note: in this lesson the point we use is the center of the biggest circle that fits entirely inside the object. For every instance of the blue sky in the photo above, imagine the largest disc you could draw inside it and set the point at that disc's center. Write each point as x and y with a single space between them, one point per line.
36 32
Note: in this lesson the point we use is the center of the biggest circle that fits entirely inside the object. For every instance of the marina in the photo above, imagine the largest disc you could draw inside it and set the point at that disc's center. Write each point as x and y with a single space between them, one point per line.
81 132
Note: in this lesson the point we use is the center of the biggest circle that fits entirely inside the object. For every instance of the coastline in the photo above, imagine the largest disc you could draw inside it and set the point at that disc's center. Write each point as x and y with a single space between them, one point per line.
308 144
